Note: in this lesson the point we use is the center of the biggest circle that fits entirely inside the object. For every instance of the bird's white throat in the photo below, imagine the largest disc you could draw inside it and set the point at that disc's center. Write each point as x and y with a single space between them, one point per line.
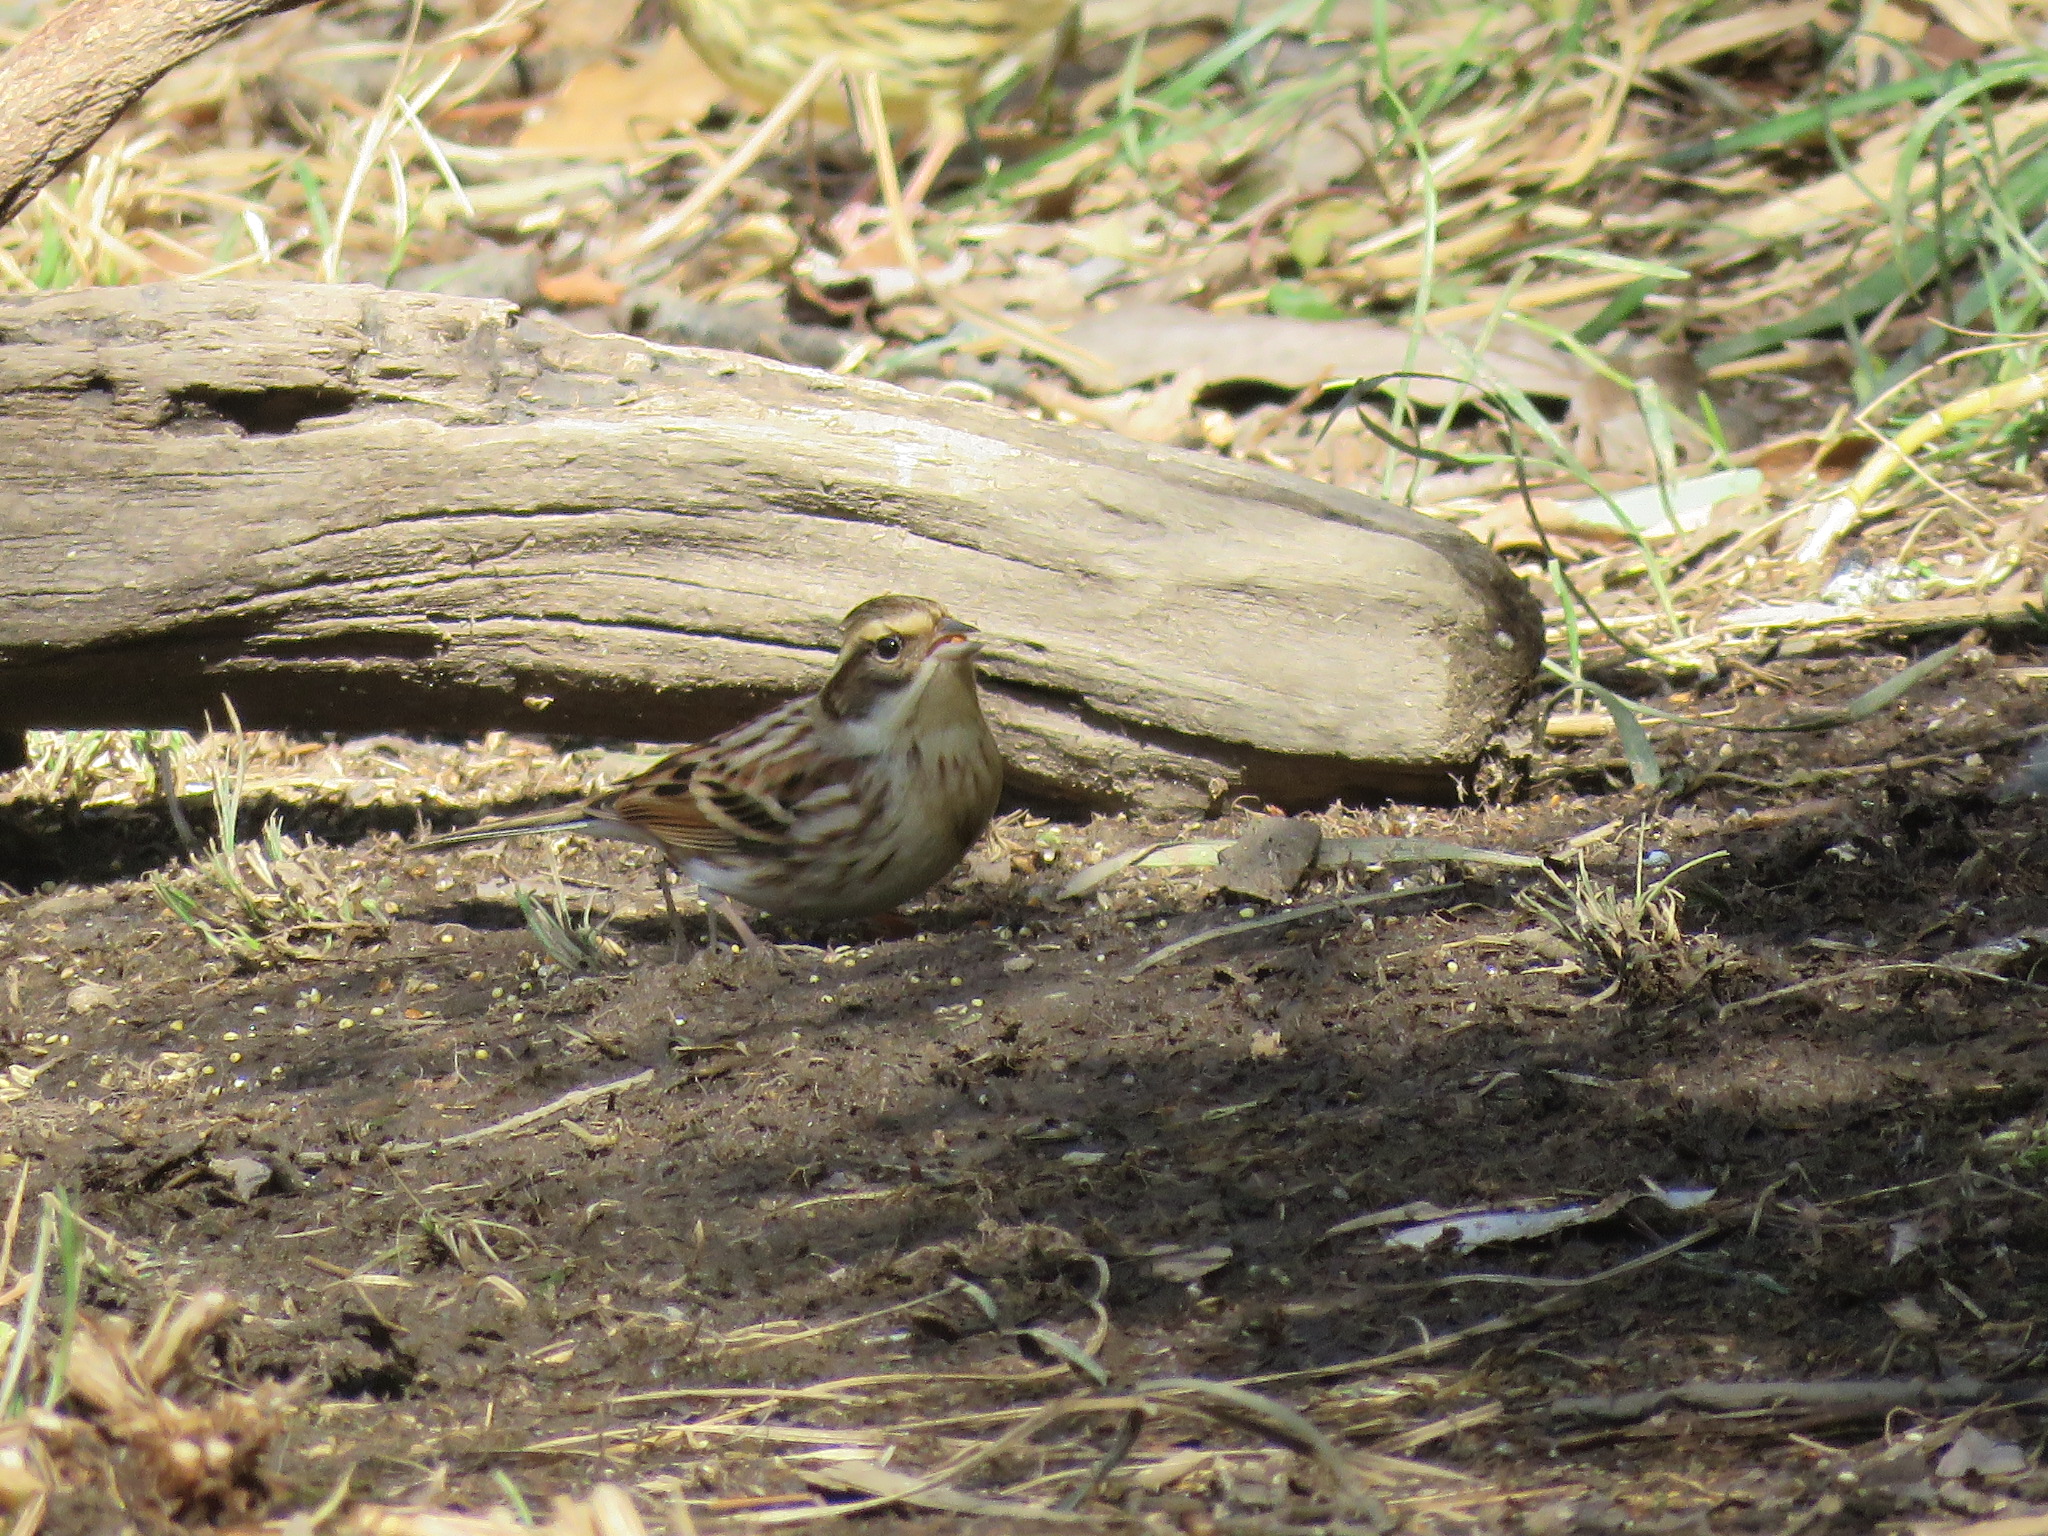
940 710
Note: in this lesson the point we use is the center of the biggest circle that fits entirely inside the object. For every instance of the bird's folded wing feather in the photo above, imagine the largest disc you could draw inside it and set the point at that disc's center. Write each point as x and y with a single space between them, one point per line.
698 806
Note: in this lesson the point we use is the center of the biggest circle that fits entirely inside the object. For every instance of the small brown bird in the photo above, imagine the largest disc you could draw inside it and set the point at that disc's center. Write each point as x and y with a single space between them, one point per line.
929 57
844 803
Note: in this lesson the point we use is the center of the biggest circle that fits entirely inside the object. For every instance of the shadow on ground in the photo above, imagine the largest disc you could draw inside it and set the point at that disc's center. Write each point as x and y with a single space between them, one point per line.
1000 1102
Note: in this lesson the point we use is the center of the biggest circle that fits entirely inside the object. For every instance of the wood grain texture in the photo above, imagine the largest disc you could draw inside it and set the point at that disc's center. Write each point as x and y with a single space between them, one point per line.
63 85
353 509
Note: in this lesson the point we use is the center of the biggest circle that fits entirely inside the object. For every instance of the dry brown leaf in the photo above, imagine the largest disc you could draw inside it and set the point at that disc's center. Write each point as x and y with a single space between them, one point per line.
1507 526
1982 21
88 995
585 288
1885 32
1910 1317
1142 342
1046 288
1942 45
585 25
1186 1266
1742 30
1827 458
1167 415
1270 859
611 108
1820 203
1329 146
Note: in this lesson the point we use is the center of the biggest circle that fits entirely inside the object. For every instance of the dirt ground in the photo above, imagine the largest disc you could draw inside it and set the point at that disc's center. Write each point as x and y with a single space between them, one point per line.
860 1206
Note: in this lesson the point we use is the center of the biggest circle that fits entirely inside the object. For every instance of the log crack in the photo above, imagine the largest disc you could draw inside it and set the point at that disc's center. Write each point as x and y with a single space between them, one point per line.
363 510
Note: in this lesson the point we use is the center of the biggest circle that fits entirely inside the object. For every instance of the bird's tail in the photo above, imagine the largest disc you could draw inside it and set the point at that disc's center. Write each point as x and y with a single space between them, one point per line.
567 818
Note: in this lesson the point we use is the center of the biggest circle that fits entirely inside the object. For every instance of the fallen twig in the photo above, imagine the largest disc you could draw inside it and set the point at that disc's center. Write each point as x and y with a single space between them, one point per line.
1559 1301
876 1481
1849 624
525 1120
1864 972
1281 919
64 84
1801 777
1870 1396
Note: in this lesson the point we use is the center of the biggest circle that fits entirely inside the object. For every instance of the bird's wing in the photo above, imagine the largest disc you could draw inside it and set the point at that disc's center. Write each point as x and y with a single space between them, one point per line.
662 801
711 799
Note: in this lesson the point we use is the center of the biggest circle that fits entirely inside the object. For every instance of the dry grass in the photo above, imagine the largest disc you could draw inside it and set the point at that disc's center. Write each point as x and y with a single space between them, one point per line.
131 1436
138 1433
1627 936
1762 240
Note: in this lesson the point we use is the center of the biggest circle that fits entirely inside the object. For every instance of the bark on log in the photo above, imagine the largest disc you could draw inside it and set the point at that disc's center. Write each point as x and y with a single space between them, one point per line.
63 85
351 509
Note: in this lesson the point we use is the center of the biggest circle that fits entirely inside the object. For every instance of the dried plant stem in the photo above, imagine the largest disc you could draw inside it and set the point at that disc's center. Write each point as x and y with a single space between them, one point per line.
526 1119
686 213
1558 1301
874 128
12 1226
31 1308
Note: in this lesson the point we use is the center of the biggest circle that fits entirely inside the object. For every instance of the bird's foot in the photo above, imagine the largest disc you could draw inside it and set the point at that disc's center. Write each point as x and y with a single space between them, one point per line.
725 907
854 230
715 908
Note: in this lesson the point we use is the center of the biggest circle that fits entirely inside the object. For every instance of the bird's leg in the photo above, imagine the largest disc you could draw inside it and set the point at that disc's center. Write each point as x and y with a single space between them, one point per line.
686 213
1048 108
814 171
728 909
873 124
946 133
667 882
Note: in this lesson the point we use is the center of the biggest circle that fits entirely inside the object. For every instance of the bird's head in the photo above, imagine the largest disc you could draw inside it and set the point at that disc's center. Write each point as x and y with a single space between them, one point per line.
895 652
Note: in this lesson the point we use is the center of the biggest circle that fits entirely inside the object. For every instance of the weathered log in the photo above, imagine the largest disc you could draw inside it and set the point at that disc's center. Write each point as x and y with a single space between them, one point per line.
63 85
351 509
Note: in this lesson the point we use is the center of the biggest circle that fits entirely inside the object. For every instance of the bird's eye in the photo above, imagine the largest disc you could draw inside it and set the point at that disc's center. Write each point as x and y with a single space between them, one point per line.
889 647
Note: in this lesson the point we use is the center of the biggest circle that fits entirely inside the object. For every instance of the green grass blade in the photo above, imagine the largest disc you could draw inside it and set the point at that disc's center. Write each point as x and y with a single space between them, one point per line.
1910 270
1636 745
1180 90
1792 127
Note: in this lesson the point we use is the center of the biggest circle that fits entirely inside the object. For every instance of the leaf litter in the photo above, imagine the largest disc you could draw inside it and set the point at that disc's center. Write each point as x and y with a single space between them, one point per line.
1723 326
877 1314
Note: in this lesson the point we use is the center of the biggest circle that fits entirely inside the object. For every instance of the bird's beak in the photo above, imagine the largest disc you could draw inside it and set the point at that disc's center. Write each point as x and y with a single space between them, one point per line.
952 633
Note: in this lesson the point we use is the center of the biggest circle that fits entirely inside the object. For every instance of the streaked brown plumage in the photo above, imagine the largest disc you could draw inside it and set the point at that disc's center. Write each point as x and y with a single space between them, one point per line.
929 56
844 803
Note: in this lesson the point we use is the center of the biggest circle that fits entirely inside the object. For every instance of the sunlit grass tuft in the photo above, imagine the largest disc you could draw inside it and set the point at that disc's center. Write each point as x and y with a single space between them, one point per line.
271 899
